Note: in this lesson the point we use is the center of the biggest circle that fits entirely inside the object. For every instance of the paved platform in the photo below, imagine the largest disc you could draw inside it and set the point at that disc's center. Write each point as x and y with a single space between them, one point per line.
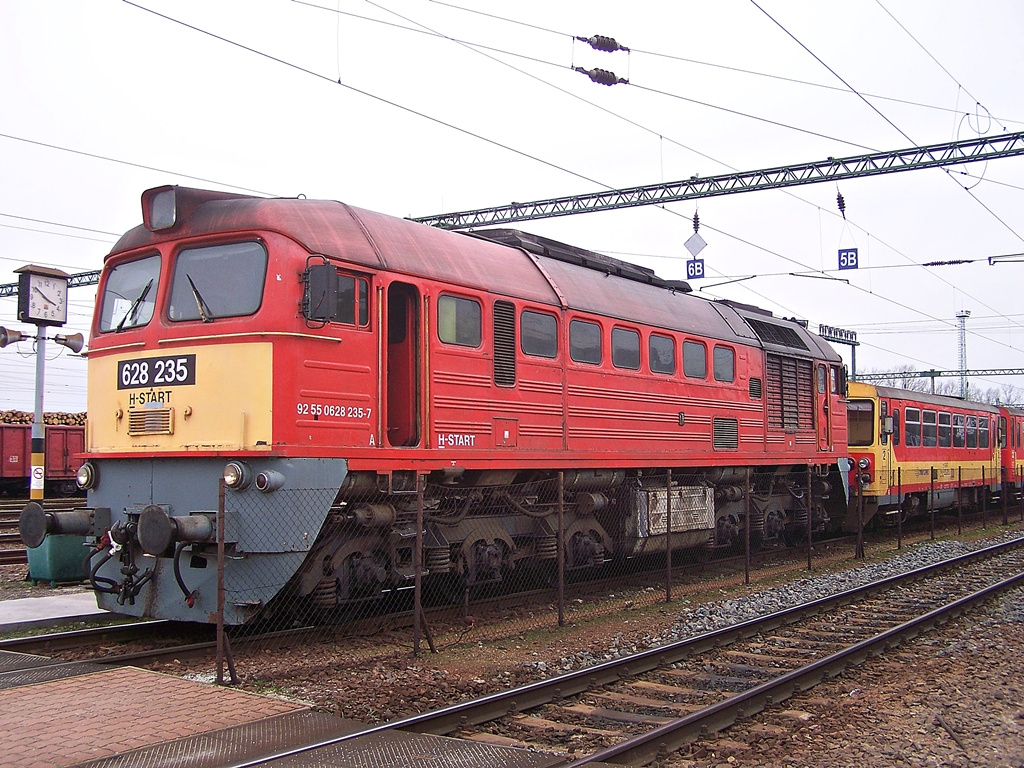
47 611
100 715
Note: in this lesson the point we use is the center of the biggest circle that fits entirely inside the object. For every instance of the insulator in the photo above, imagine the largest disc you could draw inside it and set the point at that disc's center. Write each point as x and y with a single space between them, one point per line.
841 203
602 76
603 43
696 221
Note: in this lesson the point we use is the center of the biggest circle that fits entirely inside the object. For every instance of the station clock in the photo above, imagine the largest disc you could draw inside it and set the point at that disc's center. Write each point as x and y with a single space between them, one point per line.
42 295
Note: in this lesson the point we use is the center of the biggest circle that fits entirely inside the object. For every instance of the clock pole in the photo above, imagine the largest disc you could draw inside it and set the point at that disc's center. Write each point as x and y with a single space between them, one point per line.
42 301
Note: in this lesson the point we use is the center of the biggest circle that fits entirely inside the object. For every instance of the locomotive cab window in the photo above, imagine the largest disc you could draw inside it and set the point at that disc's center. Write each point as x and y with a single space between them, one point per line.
458 321
585 342
861 421
725 364
661 351
353 301
538 334
218 281
695 360
129 295
625 349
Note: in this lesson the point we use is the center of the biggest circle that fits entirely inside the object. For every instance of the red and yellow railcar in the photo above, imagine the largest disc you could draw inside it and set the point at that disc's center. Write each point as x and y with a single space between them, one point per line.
307 345
915 451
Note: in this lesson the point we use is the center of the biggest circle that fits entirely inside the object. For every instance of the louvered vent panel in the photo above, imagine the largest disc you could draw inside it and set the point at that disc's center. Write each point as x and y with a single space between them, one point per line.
504 344
151 421
770 333
726 433
755 389
790 393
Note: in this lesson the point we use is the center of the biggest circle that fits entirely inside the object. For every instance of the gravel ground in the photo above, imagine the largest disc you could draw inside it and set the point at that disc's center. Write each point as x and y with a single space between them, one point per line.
953 698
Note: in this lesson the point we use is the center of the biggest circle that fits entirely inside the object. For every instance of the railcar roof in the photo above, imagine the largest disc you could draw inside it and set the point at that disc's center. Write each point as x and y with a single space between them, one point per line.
605 286
937 400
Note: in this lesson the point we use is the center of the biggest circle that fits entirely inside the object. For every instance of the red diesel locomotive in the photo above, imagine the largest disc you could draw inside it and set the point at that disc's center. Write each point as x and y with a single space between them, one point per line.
292 345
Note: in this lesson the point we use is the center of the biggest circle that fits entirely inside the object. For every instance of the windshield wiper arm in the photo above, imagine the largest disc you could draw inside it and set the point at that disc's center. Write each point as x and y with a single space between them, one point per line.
204 311
133 310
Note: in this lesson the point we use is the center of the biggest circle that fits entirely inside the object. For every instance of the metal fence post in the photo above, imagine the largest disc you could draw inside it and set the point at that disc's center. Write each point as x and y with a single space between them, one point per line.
899 508
560 549
931 499
1004 485
223 646
959 500
810 502
668 536
859 553
746 526
417 562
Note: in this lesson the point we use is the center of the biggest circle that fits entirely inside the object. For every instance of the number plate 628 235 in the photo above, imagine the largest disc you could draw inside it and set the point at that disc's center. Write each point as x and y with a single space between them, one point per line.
174 370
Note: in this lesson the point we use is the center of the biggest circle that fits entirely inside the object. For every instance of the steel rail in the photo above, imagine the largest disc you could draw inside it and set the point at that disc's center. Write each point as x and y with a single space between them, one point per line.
448 719
659 742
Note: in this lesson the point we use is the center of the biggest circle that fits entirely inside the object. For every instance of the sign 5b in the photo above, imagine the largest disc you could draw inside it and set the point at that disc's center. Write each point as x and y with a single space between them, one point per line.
848 258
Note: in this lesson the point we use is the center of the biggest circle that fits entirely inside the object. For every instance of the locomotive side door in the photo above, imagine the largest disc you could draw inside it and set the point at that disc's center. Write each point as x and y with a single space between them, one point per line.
403 365
821 389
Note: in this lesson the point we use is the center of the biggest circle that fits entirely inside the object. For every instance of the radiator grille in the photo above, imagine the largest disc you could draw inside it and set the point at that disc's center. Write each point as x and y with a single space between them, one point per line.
726 433
790 393
504 344
151 421
770 333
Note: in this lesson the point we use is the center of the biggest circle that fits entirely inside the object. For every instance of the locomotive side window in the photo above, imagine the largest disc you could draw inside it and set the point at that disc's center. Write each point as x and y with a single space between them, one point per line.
945 430
661 352
861 421
913 426
895 426
983 431
725 364
129 296
695 360
538 334
625 349
458 321
585 342
929 436
821 380
959 431
353 301
218 281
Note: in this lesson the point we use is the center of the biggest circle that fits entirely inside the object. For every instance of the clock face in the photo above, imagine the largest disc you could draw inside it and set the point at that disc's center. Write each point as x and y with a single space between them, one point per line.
46 302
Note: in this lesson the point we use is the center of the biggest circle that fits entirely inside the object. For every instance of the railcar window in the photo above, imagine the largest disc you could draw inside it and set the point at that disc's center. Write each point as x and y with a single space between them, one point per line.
959 431
538 334
218 281
913 426
861 422
129 295
625 349
945 431
585 342
972 431
895 426
983 430
725 364
661 351
458 321
695 360
929 437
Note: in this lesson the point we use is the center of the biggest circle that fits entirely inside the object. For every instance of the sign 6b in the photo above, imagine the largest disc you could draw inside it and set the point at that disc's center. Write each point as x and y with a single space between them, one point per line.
694 269
848 258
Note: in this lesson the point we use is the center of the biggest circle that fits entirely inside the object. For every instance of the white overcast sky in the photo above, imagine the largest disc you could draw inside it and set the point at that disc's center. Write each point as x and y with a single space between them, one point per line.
102 100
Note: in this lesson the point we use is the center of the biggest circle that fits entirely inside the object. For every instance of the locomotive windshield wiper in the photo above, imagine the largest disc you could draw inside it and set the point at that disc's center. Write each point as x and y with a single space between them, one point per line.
133 310
204 310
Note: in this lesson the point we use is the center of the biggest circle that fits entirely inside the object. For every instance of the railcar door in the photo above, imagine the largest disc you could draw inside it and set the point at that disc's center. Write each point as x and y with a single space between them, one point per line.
821 390
403 365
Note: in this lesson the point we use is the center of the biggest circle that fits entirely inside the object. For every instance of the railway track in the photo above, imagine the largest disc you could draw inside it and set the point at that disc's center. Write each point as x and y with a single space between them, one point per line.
638 709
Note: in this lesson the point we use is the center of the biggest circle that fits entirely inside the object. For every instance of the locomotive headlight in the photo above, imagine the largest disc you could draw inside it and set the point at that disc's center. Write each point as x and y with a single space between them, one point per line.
269 481
237 475
864 462
87 476
159 208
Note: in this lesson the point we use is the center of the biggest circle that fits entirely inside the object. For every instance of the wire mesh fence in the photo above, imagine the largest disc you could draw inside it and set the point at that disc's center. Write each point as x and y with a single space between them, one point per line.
437 563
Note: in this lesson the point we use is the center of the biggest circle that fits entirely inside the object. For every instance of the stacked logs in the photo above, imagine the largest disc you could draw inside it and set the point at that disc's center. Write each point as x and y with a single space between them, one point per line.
56 419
